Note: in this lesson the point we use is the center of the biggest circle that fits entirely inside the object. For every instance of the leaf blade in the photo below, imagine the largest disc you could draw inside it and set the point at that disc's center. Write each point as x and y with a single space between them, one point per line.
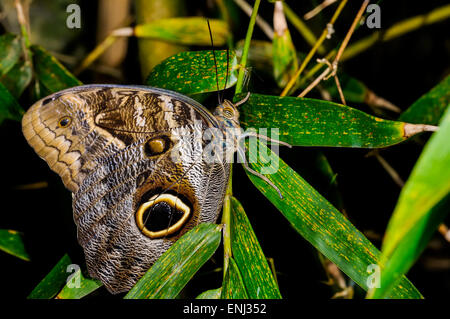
233 286
210 294
429 108
249 257
178 264
86 286
316 220
50 72
11 242
311 122
184 30
420 209
10 51
9 107
52 283
18 78
195 72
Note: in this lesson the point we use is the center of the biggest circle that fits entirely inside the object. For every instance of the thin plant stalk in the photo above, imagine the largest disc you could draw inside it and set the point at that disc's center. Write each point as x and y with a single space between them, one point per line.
333 67
302 28
248 38
397 30
314 49
264 26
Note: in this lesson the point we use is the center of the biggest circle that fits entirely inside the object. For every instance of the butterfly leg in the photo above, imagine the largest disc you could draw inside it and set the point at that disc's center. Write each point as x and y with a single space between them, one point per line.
266 138
241 154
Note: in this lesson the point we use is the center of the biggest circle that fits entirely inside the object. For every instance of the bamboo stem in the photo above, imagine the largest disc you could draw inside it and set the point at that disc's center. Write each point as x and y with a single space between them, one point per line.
265 27
246 48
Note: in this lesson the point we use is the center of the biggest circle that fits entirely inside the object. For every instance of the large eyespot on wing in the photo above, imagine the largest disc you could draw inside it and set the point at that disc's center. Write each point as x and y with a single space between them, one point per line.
163 215
157 145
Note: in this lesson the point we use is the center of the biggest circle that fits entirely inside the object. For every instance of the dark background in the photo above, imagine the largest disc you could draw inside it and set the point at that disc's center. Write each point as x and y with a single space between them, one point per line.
400 70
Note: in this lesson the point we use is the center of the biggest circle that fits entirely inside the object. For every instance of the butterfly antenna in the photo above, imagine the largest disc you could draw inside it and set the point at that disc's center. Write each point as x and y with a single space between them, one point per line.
215 62
226 74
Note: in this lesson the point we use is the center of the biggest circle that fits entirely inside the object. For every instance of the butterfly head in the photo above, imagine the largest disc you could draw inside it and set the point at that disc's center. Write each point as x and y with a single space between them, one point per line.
227 114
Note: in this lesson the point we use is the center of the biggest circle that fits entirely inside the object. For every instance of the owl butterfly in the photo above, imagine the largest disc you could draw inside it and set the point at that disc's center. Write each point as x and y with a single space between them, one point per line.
130 157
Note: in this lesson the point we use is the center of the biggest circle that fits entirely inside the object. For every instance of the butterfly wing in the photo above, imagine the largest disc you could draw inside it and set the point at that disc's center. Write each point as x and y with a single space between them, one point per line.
133 158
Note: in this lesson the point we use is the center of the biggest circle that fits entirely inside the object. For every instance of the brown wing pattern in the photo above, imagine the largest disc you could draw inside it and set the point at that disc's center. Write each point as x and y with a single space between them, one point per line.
114 148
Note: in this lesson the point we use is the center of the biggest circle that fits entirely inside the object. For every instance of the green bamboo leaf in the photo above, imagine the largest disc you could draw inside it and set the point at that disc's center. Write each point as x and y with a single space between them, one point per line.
53 281
11 242
422 206
316 220
185 30
10 51
311 122
246 48
50 72
195 72
284 55
284 58
78 286
429 108
178 264
9 107
210 294
18 78
233 286
250 260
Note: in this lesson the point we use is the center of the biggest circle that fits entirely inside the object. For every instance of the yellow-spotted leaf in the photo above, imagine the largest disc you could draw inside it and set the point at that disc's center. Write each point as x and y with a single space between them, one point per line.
312 122
315 219
429 108
250 260
195 72
233 286
211 294
173 270
78 286
11 242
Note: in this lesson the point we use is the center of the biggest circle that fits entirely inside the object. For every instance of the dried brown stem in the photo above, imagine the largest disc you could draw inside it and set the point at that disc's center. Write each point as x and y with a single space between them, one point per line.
323 36
444 231
376 101
338 85
332 69
318 9
391 171
22 14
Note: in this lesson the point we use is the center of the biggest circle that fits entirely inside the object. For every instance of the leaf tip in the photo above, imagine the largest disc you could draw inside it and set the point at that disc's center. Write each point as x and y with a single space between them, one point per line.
413 129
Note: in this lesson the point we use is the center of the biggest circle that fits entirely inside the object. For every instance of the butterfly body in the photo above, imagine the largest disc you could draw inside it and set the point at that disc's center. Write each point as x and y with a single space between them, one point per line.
133 158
